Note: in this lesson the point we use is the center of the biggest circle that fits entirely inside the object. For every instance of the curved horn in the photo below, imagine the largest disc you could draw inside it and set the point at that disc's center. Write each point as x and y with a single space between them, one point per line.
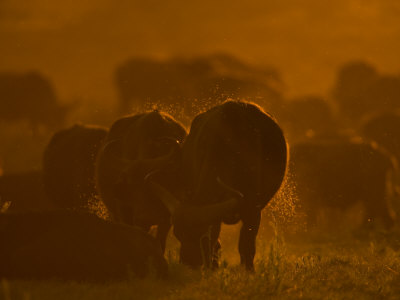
117 162
106 146
192 214
148 164
169 138
170 202
229 188
215 212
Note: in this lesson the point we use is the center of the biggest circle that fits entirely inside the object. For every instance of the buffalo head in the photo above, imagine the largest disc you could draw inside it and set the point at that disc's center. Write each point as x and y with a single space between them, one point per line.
193 224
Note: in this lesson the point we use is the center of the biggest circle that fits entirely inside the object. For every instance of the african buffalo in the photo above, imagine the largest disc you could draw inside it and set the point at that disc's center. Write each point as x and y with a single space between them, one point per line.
31 97
337 174
69 165
136 146
384 129
75 246
21 192
360 90
307 117
233 162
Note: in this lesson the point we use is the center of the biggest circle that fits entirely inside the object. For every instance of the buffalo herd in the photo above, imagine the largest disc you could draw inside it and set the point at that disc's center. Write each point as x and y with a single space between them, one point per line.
336 174
191 85
152 174
30 97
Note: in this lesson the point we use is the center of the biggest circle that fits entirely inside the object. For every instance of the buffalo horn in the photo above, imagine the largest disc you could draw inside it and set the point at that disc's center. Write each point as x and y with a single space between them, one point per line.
193 214
229 188
117 162
149 163
170 202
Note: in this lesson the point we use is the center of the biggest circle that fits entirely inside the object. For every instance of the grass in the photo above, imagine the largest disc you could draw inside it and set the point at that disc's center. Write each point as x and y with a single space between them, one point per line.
339 269
341 263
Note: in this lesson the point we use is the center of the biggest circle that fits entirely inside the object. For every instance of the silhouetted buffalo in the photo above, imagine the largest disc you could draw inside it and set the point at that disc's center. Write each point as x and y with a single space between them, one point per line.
136 146
338 174
384 129
193 85
69 165
74 246
234 161
31 97
360 90
23 192
307 117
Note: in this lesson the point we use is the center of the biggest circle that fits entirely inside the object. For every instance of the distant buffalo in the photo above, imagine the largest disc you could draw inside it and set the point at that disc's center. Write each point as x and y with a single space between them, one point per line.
21 192
307 117
135 147
384 129
360 90
338 174
75 246
30 97
186 87
69 165
233 162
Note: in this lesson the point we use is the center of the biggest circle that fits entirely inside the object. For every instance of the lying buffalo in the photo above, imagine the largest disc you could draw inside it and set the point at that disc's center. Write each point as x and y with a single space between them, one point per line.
337 174
136 146
24 191
69 164
74 246
233 162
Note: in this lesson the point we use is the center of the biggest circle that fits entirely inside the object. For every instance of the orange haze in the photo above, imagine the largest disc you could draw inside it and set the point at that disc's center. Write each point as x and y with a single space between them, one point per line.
78 44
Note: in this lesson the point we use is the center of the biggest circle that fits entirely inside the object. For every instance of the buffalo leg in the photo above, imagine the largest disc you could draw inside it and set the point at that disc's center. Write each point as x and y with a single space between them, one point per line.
247 239
216 245
380 211
162 233
210 246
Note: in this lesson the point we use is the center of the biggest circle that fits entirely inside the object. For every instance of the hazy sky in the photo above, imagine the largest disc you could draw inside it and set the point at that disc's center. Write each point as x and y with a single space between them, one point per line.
79 43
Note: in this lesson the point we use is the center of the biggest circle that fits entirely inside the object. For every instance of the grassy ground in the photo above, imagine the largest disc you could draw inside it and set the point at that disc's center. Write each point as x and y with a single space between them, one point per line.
335 262
342 263
362 266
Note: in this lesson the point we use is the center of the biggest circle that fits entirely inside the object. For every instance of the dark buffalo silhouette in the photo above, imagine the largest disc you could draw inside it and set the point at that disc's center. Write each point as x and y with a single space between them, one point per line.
186 87
337 174
136 146
21 192
351 90
360 90
31 97
384 129
234 161
307 117
75 246
69 165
